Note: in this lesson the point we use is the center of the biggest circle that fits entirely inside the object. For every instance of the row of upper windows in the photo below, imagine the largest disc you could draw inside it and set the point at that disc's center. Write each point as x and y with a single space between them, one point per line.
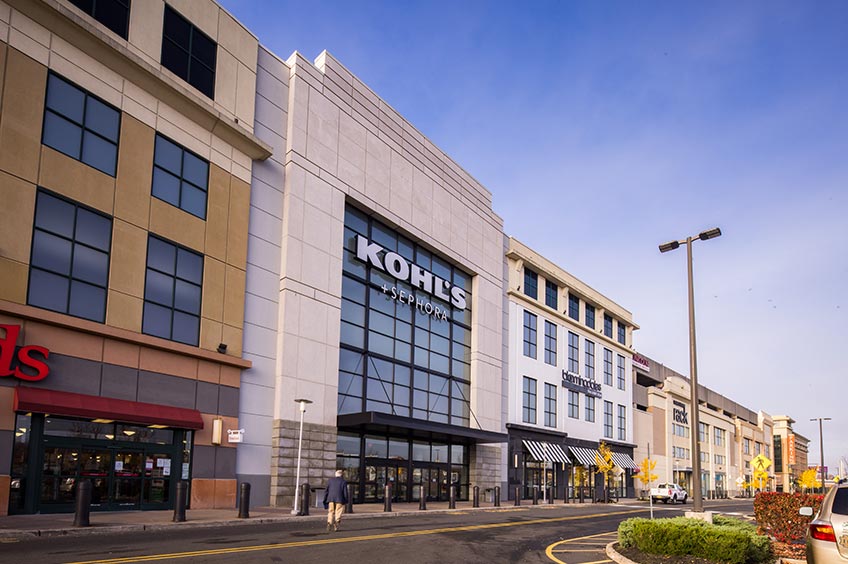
531 290
186 51
69 271
530 350
87 129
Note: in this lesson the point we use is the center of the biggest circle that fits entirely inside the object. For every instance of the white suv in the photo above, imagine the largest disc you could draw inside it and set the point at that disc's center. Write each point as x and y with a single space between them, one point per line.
669 492
827 535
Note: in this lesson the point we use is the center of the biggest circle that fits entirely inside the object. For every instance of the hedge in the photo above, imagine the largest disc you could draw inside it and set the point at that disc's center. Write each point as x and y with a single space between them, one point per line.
777 514
726 540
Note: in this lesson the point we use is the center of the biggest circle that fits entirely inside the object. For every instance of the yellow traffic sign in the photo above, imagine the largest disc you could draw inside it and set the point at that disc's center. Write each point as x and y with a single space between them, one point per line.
760 462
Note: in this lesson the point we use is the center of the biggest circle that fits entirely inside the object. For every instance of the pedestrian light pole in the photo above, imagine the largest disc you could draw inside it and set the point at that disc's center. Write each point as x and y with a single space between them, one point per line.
821 448
697 496
303 403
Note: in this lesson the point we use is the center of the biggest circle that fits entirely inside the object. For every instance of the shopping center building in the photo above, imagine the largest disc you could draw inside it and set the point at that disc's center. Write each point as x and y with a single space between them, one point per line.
126 148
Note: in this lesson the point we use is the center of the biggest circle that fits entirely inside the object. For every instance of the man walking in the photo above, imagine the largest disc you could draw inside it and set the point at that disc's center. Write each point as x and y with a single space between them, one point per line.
335 499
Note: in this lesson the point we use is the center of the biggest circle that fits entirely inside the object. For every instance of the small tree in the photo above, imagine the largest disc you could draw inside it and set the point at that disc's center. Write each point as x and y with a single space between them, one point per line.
808 479
646 475
605 464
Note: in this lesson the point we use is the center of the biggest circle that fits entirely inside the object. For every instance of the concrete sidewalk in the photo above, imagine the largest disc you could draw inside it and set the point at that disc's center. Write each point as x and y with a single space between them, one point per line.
108 522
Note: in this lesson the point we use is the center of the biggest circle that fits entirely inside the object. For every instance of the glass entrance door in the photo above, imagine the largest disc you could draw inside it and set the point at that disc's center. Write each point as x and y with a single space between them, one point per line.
434 478
126 492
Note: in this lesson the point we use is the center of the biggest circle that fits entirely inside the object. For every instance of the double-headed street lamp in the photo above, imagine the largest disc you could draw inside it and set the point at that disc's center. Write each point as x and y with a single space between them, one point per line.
821 447
303 403
697 496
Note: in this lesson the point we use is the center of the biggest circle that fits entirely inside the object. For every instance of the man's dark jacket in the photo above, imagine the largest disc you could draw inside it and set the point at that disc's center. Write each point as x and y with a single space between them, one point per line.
336 491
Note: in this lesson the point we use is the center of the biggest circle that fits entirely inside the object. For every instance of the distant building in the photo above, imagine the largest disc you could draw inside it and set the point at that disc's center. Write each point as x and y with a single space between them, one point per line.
790 454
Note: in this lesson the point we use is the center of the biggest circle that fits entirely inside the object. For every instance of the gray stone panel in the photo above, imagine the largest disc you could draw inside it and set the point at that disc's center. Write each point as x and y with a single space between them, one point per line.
228 401
119 382
166 390
203 462
225 463
207 397
70 374
260 488
6 439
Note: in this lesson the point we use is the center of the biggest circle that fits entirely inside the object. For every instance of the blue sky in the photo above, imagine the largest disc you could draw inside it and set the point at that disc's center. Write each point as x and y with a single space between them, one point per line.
603 129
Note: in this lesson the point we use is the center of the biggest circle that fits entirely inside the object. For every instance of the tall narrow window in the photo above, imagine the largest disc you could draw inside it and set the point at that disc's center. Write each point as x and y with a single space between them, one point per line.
69 265
550 405
114 14
550 343
172 292
590 409
529 401
590 316
608 325
590 360
531 283
622 333
620 367
180 177
529 334
81 125
573 352
608 367
188 52
551 291
574 307
573 404
608 419
622 423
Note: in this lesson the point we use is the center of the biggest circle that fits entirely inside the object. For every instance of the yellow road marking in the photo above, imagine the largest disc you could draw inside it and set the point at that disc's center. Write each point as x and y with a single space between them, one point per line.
549 551
340 540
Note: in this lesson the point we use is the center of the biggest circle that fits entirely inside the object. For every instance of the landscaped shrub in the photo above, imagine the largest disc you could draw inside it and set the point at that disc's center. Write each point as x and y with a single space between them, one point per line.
728 540
777 514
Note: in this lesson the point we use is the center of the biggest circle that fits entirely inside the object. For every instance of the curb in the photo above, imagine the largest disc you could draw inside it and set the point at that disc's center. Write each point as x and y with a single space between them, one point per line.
615 556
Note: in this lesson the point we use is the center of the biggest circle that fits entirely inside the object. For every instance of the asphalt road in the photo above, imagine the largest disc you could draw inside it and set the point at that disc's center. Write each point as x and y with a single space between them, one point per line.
573 534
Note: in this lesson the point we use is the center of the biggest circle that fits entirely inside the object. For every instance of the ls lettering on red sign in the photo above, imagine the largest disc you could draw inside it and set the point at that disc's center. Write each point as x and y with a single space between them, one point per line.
25 357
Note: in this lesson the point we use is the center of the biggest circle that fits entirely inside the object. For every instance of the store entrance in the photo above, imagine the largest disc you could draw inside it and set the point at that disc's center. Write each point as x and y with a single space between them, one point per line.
436 481
380 473
537 477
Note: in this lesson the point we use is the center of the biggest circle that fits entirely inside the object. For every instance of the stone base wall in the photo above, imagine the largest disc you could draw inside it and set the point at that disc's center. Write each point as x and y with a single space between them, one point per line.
486 468
317 462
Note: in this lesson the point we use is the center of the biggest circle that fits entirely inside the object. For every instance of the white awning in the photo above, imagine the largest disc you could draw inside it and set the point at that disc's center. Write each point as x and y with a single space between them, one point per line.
586 456
546 452
624 461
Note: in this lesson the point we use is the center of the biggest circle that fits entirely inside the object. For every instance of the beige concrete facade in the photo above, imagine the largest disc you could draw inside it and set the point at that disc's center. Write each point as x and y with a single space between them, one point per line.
790 454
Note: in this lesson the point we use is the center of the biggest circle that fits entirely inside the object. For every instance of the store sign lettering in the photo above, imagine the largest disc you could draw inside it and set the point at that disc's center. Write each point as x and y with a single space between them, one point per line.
574 381
402 270
680 416
24 357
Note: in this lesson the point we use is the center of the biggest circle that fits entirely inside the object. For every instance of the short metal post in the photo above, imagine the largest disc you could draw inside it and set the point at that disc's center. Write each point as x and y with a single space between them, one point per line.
387 498
422 499
180 502
535 495
304 499
83 507
582 493
517 496
244 501
452 497
349 505
475 500
550 495
497 496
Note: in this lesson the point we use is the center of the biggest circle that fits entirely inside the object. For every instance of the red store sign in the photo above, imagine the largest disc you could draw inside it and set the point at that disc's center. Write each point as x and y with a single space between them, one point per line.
24 358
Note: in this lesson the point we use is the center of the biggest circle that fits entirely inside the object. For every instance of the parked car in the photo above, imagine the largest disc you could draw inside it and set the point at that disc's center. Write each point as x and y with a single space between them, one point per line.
669 492
827 535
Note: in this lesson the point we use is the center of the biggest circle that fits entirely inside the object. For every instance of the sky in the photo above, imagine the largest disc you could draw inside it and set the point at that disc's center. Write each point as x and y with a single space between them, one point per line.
605 128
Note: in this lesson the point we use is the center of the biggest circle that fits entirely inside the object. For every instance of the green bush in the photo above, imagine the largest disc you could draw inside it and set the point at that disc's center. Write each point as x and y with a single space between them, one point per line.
726 540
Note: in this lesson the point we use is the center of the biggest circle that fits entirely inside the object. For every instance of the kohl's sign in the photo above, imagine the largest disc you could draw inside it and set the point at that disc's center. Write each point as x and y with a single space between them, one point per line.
24 357
400 269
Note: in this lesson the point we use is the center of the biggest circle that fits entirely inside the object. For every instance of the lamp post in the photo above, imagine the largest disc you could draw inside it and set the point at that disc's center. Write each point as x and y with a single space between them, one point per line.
303 403
821 447
697 497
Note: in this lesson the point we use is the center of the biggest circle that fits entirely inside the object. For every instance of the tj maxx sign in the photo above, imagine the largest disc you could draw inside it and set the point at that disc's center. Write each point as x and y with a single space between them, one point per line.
25 357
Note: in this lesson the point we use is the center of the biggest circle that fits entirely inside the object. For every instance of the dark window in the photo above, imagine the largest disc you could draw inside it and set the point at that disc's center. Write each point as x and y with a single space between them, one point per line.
622 332
550 405
81 126
531 283
590 316
529 401
590 409
573 404
590 360
69 266
574 307
188 52
551 291
114 14
608 326
529 334
620 367
608 419
550 343
622 423
608 367
573 352
840 502
172 292
180 177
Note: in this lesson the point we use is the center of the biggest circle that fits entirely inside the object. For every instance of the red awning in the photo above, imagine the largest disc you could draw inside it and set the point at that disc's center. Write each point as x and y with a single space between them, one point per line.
54 402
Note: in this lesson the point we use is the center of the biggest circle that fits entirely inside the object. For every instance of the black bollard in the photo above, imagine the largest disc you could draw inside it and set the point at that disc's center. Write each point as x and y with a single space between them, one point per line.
349 506
497 496
550 495
180 502
517 496
475 501
244 501
452 498
422 499
387 498
535 496
83 507
304 499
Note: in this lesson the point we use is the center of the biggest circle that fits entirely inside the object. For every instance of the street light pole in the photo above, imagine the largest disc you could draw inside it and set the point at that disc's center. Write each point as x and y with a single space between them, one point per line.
303 403
821 448
697 496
